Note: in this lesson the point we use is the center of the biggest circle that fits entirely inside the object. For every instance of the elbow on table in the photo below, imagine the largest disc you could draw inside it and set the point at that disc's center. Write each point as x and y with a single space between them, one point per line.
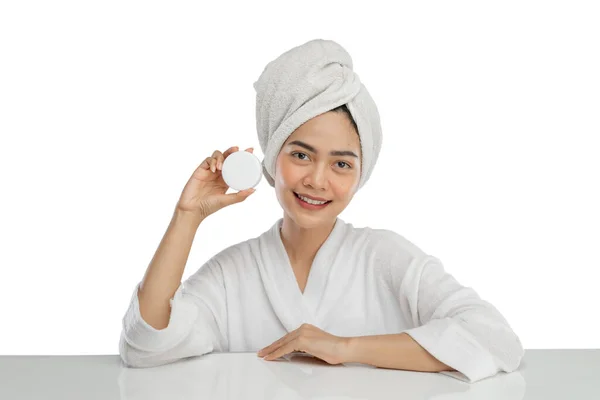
191 346
508 353
131 361
517 352
134 358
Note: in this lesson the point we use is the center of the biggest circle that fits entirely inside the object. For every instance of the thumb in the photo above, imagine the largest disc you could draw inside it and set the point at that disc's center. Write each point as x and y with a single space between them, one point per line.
238 197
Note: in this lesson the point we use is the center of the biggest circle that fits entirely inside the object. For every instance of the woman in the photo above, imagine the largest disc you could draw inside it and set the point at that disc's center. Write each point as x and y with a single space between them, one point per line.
312 283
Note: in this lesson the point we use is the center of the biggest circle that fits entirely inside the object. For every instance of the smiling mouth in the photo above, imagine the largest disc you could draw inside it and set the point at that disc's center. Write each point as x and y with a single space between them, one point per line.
316 204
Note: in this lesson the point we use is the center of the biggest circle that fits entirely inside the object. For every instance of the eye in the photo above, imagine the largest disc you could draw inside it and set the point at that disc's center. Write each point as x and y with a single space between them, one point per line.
298 153
348 166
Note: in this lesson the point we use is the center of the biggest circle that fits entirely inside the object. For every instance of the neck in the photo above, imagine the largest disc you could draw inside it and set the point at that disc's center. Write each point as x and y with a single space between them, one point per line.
302 243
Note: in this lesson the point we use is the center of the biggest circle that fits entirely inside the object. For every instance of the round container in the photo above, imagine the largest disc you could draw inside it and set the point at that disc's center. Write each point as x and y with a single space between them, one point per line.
241 170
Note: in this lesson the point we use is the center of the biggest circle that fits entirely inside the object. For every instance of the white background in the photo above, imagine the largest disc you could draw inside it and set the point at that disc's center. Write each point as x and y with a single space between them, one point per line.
490 116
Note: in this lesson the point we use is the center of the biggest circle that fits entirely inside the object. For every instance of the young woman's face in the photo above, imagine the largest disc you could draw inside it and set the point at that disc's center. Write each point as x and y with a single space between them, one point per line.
320 159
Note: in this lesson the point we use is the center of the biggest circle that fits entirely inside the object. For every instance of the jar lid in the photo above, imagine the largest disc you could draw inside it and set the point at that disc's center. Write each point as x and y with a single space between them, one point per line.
241 170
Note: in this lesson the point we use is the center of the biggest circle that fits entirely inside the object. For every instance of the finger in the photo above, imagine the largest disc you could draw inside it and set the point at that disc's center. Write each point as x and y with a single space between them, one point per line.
222 156
280 343
250 149
230 150
232 198
213 164
275 344
283 350
206 163
244 194
217 155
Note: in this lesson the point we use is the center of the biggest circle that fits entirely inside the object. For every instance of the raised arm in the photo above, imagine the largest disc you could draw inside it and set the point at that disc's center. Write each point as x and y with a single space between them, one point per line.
167 320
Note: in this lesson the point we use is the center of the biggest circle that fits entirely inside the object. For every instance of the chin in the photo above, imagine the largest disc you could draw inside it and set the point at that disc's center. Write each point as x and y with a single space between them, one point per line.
309 218
306 221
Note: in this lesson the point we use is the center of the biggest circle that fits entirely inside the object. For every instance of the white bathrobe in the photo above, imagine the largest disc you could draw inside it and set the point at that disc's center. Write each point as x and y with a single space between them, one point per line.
363 281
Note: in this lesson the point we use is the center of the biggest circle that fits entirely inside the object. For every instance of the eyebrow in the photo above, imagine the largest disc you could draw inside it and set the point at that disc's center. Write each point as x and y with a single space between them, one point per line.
333 153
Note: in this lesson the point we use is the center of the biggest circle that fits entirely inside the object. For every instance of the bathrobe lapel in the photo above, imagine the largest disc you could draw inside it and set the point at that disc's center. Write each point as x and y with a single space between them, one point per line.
292 307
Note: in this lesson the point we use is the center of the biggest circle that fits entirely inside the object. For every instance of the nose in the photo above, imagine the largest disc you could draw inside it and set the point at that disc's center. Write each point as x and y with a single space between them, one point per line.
317 177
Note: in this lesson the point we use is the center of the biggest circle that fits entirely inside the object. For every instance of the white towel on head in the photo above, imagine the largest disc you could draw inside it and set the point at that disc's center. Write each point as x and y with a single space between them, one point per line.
306 81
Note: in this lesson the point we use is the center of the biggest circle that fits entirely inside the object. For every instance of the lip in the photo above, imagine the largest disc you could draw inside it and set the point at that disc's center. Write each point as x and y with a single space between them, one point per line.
312 197
309 206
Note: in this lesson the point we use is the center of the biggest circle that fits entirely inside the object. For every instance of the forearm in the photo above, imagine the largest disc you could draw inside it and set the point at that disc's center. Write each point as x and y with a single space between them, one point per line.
396 351
163 275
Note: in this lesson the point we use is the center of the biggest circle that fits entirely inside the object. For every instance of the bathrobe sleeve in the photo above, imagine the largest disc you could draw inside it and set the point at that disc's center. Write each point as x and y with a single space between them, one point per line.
196 324
453 323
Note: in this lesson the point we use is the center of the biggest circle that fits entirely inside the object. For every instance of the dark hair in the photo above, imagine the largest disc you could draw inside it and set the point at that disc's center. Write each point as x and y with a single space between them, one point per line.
344 109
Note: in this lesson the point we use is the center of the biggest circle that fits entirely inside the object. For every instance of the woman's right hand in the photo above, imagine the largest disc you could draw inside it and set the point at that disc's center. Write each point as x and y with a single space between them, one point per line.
205 191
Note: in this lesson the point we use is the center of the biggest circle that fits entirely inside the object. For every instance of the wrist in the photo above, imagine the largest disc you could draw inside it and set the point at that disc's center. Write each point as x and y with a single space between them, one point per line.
349 349
187 218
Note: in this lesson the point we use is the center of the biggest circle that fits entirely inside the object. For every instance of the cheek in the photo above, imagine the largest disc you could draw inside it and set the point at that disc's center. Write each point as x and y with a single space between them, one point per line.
290 173
349 185
344 188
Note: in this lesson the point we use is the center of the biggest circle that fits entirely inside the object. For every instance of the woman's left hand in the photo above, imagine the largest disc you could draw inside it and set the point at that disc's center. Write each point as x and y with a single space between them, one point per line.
312 340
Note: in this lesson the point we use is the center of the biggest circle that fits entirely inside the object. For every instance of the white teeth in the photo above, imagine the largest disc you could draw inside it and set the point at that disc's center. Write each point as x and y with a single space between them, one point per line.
310 201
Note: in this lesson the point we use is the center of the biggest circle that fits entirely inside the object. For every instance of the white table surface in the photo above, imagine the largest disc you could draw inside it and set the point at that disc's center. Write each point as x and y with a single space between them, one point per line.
544 374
